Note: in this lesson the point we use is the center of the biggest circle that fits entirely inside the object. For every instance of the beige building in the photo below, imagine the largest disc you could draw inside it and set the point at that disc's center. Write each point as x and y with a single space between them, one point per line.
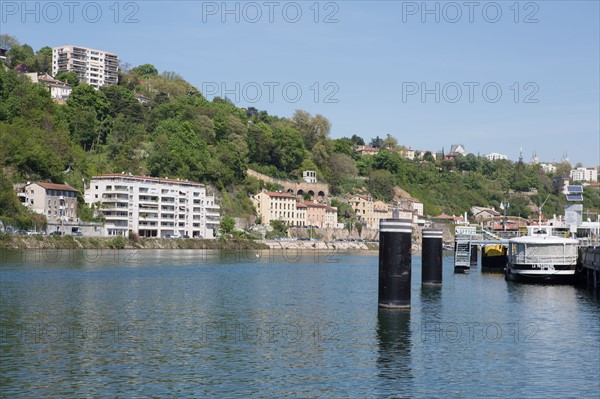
320 216
94 67
364 208
58 202
370 212
366 150
153 207
482 214
301 214
285 207
272 205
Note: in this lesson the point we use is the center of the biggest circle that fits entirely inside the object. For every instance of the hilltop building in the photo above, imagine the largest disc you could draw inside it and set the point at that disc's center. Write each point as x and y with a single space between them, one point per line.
456 150
548 168
309 176
94 67
494 156
59 91
153 207
584 174
366 150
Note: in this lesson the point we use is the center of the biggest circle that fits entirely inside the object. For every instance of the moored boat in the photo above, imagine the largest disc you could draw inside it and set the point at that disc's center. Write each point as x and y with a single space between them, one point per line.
494 257
541 257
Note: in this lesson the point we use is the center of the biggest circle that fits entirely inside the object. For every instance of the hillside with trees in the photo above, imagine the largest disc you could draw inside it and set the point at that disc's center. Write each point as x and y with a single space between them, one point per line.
181 134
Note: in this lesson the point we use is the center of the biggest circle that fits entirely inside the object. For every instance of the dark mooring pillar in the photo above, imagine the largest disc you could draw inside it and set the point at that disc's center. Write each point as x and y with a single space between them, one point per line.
395 244
431 260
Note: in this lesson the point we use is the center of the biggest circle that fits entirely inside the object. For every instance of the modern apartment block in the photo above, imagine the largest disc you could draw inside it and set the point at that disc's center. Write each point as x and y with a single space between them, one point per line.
584 174
57 201
94 67
153 207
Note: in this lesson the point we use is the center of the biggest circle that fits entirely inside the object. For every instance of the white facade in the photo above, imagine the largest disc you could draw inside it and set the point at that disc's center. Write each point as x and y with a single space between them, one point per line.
309 176
494 156
584 174
548 168
153 207
94 67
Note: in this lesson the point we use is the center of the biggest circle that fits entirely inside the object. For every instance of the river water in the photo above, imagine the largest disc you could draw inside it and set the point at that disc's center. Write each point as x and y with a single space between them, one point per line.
206 324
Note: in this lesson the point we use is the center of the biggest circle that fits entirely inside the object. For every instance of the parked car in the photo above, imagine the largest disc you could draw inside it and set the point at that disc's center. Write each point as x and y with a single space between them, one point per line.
56 233
77 234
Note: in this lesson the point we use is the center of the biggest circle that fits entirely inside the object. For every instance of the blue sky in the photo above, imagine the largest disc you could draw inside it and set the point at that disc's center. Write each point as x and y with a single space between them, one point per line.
364 65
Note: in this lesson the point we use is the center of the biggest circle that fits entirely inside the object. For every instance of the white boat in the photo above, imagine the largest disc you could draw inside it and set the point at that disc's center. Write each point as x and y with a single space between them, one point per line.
542 257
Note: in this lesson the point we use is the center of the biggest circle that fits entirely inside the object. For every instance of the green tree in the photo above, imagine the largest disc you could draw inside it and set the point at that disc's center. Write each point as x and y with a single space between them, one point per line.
311 129
359 228
279 228
227 224
377 142
43 60
357 140
341 166
344 146
21 55
70 77
288 152
178 151
261 143
381 185
145 70
121 101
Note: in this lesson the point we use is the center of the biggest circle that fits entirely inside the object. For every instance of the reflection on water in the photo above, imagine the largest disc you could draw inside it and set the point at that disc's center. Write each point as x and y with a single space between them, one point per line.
393 355
196 323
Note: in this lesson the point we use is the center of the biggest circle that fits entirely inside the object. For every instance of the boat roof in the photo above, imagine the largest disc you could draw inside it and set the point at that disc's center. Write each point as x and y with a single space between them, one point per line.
544 239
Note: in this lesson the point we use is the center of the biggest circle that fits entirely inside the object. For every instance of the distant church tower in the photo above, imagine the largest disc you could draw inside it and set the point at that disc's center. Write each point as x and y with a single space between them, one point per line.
565 158
521 155
534 159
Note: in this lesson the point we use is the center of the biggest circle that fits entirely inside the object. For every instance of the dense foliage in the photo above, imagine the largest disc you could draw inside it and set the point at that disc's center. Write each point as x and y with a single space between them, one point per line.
180 134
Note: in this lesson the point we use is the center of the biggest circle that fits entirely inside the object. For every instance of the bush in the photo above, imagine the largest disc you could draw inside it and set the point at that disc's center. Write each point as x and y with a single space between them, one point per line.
117 242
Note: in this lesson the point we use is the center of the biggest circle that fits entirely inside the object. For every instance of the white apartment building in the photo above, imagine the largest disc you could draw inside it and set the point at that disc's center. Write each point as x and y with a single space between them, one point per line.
584 174
153 207
94 67
494 156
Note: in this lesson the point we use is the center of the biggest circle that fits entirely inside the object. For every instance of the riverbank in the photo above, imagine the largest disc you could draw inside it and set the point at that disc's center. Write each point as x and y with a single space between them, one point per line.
8 241
318 244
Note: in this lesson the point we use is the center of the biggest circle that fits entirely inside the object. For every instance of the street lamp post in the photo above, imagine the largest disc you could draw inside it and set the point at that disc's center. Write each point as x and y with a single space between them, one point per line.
504 207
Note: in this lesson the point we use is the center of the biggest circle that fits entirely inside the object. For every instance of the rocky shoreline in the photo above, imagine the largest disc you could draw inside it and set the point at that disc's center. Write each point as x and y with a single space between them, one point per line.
19 242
